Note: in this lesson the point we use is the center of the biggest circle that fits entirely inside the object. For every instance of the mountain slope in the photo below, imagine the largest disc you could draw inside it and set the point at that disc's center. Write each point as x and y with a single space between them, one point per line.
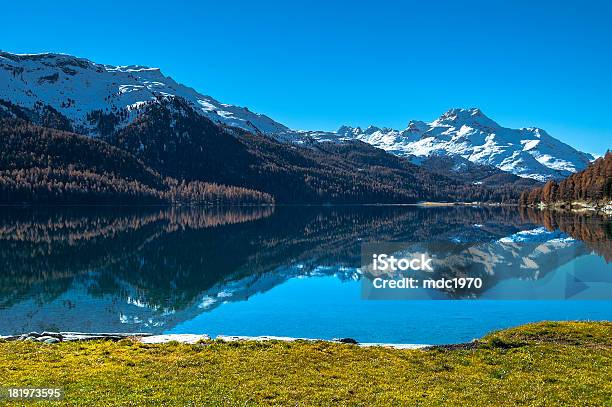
98 98
170 153
43 165
462 169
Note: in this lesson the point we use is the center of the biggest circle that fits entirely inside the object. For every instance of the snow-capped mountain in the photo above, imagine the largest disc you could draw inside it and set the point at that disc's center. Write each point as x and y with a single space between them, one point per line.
78 88
468 133
97 98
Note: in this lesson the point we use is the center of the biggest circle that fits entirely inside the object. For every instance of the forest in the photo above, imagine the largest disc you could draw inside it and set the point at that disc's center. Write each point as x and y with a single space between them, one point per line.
44 165
172 154
593 185
352 172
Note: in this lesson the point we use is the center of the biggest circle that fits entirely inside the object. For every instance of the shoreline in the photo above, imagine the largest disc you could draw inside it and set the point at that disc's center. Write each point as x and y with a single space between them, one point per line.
604 208
149 338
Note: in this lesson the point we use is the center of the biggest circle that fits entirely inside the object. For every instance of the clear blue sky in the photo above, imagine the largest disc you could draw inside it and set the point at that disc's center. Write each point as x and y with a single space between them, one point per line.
319 64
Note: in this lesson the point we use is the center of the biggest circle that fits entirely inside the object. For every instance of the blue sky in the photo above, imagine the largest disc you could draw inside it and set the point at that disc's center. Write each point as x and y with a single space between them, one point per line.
316 65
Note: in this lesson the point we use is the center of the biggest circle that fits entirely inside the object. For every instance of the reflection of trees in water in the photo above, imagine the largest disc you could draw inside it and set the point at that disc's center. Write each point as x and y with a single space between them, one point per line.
333 236
72 225
593 229
43 249
168 257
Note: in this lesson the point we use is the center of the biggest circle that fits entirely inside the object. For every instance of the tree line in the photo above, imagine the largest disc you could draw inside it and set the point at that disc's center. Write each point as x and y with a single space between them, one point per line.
592 185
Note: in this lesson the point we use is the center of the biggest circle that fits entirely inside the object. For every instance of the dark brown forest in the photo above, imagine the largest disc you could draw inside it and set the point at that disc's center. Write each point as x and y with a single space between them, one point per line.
43 165
592 185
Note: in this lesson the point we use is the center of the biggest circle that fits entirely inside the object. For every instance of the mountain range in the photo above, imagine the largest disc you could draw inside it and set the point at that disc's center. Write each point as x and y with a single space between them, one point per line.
178 132
470 134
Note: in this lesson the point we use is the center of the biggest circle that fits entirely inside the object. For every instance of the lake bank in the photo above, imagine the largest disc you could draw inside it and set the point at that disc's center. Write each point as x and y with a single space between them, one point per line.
51 338
545 363
599 207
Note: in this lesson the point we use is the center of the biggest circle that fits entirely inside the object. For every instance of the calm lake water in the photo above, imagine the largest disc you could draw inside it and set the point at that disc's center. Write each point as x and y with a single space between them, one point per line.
292 271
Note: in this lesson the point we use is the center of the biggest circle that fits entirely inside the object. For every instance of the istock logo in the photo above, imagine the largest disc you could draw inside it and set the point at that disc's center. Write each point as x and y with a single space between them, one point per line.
489 269
386 263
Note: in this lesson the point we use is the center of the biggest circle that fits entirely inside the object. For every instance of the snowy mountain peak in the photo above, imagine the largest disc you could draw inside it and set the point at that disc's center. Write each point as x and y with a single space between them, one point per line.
80 89
472 117
371 129
48 58
349 131
415 129
468 133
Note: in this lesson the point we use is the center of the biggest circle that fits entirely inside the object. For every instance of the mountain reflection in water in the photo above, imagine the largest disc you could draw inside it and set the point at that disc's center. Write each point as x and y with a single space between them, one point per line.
151 269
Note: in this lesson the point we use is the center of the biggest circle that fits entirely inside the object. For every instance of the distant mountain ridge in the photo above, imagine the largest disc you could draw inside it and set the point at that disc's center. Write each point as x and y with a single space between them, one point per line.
470 134
100 100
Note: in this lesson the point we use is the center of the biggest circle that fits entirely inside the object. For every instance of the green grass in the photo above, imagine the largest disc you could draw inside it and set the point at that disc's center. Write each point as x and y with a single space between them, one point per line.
547 364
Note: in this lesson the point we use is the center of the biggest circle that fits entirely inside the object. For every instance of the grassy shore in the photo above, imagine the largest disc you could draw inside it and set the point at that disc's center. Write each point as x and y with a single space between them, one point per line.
547 363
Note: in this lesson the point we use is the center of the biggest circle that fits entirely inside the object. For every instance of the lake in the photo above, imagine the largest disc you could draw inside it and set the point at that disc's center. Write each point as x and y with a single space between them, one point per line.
294 271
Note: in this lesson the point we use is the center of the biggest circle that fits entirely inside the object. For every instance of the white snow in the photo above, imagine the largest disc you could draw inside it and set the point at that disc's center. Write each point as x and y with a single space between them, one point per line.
207 302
